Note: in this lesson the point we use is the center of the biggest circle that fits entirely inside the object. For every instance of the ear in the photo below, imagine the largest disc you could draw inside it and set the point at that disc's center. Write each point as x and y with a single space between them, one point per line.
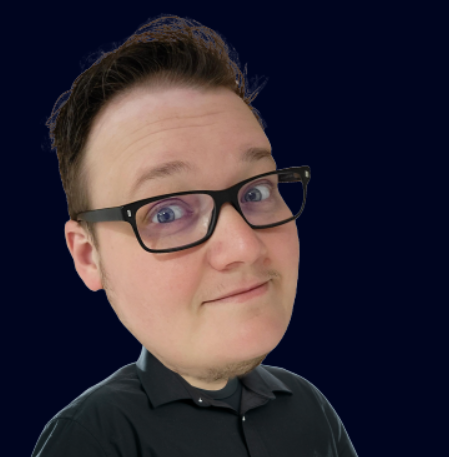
84 254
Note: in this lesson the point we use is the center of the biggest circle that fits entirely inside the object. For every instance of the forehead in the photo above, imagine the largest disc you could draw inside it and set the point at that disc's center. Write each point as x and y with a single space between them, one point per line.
153 109
148 127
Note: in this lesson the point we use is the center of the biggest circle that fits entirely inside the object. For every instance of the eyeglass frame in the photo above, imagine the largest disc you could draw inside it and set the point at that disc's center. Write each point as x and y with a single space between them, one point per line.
128 212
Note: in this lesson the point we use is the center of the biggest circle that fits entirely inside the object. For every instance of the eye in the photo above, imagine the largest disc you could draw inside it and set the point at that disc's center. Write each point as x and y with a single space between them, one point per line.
257 193
166 213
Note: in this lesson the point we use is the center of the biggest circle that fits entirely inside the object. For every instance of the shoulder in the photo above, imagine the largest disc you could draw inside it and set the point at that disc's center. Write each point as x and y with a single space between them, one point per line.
104 398
312 407
87 424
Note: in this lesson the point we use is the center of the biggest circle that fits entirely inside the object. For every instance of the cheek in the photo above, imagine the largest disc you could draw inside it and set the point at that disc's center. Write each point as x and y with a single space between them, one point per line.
286 250
287 263
150 283
146 289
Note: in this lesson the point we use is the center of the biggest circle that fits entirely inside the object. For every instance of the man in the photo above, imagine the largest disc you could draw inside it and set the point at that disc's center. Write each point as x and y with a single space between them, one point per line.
198 387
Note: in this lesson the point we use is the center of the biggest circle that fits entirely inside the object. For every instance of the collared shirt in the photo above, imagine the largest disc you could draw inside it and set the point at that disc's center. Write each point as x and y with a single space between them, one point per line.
145 409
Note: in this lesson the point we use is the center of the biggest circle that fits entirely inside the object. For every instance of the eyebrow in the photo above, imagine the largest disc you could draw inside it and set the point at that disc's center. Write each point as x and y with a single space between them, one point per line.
175 167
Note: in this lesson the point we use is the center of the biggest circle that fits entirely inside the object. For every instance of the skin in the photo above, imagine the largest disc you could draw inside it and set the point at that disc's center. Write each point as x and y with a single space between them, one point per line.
160 298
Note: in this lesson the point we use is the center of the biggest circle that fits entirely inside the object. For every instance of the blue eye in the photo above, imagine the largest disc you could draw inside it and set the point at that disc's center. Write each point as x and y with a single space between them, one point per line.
165 214
256 195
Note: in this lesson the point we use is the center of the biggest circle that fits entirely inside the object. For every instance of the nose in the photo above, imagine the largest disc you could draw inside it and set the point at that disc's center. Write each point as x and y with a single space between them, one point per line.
228 210
231 223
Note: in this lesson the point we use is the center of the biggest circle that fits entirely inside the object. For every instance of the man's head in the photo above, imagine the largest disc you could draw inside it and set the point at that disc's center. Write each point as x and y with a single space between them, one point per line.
160 298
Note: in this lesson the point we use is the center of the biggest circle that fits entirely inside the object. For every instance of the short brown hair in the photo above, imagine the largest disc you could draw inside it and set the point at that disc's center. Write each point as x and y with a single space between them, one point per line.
157 55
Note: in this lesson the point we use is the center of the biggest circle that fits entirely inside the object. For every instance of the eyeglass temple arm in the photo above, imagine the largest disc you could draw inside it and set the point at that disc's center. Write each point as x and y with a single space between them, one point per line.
102 215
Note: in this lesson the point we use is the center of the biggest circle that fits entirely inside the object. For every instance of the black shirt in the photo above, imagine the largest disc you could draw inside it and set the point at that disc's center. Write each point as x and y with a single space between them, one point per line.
146 410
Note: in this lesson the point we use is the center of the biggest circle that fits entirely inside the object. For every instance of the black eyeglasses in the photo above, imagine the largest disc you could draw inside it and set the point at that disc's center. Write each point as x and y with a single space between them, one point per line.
194 216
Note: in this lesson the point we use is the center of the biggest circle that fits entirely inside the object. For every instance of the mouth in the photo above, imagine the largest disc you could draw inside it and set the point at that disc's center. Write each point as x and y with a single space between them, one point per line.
242 296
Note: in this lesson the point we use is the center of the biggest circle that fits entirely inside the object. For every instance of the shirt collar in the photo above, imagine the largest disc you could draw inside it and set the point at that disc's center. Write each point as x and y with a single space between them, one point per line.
163 385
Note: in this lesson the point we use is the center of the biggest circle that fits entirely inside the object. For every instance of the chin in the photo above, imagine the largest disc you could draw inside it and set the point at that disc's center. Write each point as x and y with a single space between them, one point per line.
254 342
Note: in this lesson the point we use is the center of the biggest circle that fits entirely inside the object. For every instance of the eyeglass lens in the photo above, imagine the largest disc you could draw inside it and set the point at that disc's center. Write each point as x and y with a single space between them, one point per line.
184 219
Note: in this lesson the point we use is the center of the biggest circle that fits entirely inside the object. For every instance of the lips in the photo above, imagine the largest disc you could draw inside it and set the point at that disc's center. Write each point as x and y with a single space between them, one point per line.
240 290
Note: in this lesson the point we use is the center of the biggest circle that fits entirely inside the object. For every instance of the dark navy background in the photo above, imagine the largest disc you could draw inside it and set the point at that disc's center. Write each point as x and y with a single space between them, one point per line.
342 82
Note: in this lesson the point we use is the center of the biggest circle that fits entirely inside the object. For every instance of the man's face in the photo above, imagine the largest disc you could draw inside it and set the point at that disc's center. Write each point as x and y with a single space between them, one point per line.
160 298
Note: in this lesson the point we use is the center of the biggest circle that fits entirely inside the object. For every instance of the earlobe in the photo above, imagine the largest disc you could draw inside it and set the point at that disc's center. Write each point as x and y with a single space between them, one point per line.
84 255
